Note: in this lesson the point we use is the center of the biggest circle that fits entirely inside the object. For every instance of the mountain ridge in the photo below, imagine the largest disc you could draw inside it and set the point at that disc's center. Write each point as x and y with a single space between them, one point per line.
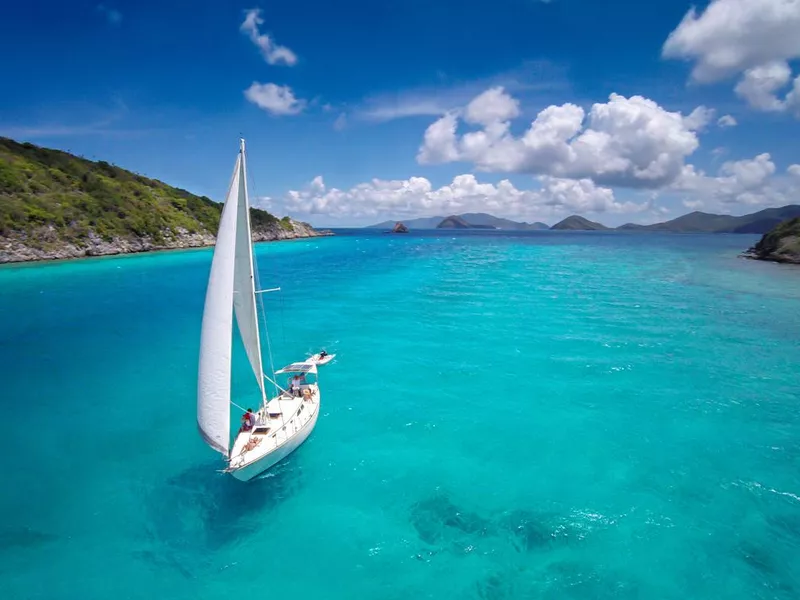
759 222
475 219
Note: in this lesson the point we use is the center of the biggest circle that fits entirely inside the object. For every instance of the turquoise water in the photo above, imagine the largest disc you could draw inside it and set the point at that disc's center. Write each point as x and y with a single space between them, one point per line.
509 416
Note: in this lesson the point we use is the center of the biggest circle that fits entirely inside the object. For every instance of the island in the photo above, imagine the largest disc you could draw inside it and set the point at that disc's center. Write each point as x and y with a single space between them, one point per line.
474 220
55 205
701 222
577 223
693 222
399 228
456 222
781 244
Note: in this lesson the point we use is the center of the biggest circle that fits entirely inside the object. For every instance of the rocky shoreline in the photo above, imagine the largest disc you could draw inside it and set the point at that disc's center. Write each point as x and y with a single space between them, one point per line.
45 244
781 244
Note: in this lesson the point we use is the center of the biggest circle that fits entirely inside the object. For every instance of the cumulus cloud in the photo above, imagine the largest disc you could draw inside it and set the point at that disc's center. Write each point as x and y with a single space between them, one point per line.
750 181
492 106
439 144
792 101
759 85
753 37
727 121
730 36
793 170
273 53
275 99
379 198
626 141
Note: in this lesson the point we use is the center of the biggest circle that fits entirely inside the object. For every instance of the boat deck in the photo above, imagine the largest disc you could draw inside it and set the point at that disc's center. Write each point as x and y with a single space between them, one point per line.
284 416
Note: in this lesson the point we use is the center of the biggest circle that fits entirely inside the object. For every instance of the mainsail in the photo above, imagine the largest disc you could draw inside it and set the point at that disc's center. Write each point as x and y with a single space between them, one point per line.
231 289
214 371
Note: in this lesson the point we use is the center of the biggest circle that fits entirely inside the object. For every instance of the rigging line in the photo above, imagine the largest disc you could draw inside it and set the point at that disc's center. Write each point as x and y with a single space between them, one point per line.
260 296
283 323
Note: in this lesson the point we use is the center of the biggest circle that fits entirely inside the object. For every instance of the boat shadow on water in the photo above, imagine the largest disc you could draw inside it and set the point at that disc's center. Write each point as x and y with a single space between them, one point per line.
543 541
198 512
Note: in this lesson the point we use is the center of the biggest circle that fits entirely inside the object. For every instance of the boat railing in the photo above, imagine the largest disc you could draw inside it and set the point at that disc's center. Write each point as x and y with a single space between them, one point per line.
293 420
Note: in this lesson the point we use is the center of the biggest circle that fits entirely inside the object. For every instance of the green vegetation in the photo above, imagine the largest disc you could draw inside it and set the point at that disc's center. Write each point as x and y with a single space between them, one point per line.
782 244
285 222
41 187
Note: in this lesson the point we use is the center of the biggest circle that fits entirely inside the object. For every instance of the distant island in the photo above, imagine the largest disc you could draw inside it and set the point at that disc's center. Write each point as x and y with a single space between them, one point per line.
576 223
700 222
473 221
456 222
694 222
54 205
781 244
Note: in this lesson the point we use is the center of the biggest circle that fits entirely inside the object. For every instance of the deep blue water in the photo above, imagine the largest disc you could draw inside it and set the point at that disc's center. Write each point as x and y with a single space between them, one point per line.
540 415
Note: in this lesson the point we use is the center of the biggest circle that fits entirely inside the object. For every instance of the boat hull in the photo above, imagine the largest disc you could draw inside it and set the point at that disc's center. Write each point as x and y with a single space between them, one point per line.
315 359
273 457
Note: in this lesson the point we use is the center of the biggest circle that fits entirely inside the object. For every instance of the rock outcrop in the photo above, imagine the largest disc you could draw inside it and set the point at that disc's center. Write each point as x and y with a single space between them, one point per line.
781 244
399 228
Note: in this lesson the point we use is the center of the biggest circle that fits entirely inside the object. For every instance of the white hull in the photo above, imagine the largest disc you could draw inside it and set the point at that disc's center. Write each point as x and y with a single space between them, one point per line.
316 360
284 437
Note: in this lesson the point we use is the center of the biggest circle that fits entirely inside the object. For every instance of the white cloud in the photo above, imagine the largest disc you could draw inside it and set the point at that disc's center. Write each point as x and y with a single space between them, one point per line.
381 199
759 85
750 174
754 37
793 98
730 36
272 52
112 15
626 141
276 99
399 108
727 121
699 118
492 106
750 182
793 170
439 144
533 77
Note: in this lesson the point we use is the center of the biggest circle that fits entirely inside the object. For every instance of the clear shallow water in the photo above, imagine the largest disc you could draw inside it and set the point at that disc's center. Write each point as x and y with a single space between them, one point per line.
509 416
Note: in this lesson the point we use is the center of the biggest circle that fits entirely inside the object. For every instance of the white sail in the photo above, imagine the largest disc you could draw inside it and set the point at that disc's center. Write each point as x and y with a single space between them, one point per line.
214 372
244 298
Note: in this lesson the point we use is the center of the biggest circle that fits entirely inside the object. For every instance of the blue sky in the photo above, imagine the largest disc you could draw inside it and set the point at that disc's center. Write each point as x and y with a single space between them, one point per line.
357 112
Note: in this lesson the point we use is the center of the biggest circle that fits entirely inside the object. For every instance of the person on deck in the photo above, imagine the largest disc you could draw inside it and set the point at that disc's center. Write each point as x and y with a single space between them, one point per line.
296 385
323 354
248 421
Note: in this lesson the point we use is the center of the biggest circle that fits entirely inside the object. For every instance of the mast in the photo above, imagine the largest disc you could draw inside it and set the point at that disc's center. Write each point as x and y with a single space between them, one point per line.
244 293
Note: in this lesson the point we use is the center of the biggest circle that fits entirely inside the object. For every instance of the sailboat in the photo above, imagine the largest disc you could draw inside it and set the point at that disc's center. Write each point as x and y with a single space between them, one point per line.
286 419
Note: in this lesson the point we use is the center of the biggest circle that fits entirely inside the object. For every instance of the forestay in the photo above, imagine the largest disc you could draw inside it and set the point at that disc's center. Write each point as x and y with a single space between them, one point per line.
244 299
